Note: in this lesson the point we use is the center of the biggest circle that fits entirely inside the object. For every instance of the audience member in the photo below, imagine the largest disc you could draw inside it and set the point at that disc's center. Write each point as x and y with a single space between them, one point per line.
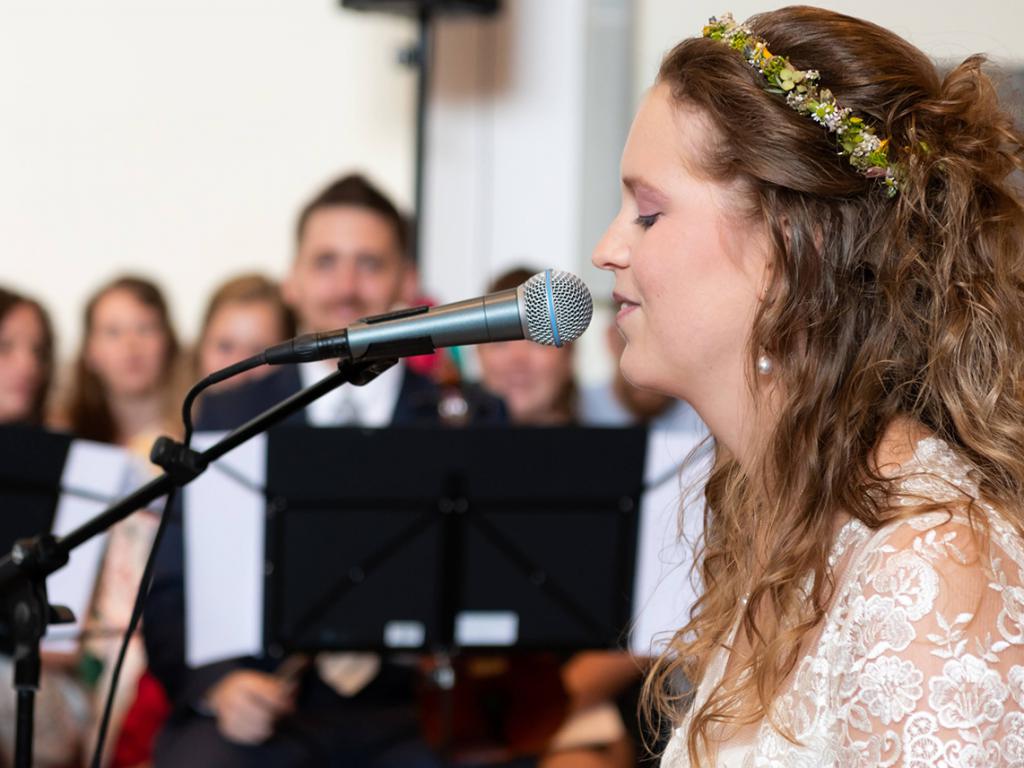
244 316
351 261
122 392
26 365
26 359
535 381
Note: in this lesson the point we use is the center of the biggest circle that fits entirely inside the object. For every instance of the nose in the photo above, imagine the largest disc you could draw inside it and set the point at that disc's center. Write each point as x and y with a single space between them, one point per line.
346 279
612 251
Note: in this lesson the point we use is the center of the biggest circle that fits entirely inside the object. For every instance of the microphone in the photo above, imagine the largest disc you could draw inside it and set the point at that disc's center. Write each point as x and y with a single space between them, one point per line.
552 307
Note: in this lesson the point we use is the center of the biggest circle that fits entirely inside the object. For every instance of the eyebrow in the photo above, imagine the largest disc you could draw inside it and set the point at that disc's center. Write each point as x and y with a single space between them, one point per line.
639 186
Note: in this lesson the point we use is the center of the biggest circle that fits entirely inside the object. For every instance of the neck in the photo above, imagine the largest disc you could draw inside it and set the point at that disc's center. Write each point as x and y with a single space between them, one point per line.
550 418
137 414
730 413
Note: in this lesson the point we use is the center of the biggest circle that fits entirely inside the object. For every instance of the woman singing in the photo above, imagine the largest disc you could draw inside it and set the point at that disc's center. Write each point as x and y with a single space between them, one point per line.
820 249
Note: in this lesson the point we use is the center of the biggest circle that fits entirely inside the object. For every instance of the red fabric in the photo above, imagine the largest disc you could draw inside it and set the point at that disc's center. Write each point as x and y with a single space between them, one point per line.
143 721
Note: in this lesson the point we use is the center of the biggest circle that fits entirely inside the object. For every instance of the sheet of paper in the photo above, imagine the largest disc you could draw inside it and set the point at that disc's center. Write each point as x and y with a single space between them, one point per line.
91 470
664 587
224 554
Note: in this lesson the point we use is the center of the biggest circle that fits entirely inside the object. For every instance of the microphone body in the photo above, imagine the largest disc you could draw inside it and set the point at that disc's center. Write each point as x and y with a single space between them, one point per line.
552 307
408 332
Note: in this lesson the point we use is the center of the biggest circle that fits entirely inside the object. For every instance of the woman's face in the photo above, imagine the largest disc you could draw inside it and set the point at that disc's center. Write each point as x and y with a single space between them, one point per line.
22 362
531 378
238 330
127 345
689 266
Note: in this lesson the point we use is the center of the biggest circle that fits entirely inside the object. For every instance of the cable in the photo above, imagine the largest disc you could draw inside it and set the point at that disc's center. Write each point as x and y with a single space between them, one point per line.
133 623
215 378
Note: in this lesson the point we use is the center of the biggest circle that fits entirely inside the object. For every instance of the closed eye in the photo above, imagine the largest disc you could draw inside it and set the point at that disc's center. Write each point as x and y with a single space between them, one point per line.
647 221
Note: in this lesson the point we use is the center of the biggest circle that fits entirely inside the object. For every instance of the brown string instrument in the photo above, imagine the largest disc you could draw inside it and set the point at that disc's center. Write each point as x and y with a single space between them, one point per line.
484 707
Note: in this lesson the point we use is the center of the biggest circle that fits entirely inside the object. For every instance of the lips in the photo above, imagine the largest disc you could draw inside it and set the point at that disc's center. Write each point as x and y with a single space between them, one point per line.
624 304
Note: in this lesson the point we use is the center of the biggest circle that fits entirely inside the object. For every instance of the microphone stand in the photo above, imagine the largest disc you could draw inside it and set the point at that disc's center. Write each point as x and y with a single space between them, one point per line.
25 611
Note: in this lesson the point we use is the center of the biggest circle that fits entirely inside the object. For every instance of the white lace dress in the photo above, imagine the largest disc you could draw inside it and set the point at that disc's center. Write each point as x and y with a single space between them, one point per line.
920 660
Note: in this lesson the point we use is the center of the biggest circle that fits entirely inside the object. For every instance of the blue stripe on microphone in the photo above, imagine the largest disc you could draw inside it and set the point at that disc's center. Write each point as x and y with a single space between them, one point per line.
551 308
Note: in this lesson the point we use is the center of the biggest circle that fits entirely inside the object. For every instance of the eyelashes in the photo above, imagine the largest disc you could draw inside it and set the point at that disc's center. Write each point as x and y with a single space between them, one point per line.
646 222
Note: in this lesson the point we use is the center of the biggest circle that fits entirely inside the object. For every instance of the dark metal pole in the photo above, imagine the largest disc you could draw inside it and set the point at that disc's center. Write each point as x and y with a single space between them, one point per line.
26 710
424 54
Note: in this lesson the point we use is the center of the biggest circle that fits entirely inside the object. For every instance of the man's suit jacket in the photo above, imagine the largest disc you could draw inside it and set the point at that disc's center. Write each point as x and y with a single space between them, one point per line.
164 621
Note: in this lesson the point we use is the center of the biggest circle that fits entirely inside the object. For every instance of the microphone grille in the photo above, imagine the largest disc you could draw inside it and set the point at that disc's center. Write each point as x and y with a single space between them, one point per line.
558 307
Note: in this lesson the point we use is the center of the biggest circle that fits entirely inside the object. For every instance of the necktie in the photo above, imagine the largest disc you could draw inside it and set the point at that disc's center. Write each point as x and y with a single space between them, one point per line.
347 413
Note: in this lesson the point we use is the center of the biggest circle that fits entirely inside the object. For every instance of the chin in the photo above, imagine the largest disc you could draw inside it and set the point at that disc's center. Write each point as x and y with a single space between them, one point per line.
645 376
634 369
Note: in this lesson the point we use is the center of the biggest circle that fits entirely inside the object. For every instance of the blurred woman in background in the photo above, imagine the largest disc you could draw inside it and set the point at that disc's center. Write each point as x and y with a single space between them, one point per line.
124 377
245 315
26 359
535 381
124 391
26 367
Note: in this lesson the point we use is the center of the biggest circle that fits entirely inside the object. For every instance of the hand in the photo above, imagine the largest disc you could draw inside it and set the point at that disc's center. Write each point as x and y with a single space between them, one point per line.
248 703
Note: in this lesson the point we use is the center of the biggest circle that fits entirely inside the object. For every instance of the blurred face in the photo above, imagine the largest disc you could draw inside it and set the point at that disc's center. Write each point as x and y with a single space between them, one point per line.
529 377
349 265
689 266
22 362
126 346
238 330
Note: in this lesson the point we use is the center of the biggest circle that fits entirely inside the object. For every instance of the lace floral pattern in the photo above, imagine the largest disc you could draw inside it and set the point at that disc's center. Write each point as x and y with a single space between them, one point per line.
920 661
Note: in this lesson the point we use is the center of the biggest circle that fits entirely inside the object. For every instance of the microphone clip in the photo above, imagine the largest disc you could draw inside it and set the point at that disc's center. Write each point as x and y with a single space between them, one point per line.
365 371
181 463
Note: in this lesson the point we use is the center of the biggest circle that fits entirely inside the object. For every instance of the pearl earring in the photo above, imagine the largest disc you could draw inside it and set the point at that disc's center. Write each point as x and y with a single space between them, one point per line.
765 366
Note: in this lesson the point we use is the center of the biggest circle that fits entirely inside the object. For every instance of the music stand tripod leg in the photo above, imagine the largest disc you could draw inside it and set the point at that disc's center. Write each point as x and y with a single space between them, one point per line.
29 613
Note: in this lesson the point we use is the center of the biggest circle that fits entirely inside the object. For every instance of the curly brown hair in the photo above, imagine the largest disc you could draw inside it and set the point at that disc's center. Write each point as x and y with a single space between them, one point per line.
878 310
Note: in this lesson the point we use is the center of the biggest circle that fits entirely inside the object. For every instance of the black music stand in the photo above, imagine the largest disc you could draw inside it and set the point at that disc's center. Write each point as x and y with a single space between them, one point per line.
448 540
31 464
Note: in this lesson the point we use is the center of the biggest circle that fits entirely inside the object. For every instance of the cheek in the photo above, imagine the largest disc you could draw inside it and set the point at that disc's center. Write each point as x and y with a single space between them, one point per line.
554 369
97 354
695 317
380 287
211 353
155 353
492 364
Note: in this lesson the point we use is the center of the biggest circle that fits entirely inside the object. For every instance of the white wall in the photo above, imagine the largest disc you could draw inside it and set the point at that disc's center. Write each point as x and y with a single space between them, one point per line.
528 117
945 29
177 138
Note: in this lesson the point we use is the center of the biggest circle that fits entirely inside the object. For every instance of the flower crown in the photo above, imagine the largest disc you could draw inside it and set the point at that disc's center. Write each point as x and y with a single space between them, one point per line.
857 141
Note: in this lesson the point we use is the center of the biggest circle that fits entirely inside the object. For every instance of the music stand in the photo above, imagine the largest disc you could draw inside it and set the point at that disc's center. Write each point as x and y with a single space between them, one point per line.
443 540
49 482
31 464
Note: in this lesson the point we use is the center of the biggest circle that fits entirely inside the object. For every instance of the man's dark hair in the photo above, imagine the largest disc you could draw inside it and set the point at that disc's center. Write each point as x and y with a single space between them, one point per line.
356 191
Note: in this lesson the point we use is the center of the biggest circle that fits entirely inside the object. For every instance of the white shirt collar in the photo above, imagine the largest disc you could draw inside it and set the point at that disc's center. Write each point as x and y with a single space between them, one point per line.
374 402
